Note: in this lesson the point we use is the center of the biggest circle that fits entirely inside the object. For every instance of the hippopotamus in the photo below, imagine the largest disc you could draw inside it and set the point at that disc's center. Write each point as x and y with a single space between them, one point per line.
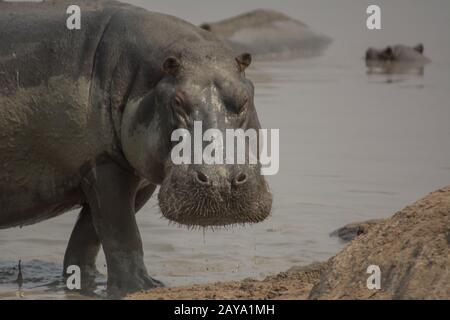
269 34
397 53
86 118
396 59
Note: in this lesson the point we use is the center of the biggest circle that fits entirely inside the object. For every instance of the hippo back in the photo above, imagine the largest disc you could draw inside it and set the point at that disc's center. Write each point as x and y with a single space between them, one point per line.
269 34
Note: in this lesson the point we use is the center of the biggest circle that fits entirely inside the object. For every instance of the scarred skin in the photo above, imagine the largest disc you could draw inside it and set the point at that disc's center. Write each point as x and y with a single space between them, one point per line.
86 118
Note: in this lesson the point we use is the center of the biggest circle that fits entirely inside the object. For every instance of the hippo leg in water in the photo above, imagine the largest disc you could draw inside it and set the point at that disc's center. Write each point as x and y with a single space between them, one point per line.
109 190
86 119
84 243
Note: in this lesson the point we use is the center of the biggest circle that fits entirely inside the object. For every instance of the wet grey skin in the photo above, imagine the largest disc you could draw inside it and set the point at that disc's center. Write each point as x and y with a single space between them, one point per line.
86 119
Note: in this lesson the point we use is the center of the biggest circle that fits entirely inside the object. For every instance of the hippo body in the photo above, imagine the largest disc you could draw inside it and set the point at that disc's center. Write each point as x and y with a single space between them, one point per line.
269 34
48 127
86 118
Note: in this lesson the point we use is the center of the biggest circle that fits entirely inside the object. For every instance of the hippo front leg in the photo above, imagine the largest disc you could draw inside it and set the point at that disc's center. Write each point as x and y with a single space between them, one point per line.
83 249
84 243
111 194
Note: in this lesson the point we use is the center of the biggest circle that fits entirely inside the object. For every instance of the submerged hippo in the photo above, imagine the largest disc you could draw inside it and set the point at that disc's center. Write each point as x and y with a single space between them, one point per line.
397 53
268 33
398 59
86 118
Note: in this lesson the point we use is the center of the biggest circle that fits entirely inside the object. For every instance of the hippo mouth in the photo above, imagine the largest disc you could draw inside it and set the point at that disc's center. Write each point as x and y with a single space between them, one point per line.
184 201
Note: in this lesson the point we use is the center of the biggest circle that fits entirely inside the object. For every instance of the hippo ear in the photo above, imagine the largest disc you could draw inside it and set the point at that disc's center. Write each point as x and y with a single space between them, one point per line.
388 53
244 60
419 48
206 26
171 66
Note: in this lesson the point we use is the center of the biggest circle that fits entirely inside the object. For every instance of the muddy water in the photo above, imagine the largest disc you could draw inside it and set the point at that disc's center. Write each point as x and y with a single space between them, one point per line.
353 147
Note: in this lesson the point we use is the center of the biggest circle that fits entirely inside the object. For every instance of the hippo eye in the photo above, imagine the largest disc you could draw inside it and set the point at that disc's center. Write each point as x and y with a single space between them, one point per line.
241 109
177 102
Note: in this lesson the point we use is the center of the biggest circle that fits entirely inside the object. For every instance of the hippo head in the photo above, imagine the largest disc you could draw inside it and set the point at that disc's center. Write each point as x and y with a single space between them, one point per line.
392 53
386 54
215 92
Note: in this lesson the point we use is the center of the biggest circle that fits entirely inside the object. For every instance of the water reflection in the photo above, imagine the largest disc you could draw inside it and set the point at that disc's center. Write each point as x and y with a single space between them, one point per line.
394 67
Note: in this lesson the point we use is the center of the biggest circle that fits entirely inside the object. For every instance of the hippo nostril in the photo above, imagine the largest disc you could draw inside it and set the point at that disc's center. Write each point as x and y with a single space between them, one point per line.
240 179
201 178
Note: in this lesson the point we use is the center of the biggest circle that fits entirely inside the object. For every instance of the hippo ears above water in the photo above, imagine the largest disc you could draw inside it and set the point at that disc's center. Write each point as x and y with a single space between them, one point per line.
244 60
206 26
419 48
171 66
387 54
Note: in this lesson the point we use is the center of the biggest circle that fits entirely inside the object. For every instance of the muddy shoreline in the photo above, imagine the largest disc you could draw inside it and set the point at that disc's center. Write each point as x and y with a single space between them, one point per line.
294 284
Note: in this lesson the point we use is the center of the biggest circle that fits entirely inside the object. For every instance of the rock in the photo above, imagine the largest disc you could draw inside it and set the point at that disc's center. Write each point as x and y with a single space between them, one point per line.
315 267
352 230
412 250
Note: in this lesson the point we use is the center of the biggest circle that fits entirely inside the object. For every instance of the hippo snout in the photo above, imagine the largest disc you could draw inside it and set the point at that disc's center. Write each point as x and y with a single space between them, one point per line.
203 177
212 195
